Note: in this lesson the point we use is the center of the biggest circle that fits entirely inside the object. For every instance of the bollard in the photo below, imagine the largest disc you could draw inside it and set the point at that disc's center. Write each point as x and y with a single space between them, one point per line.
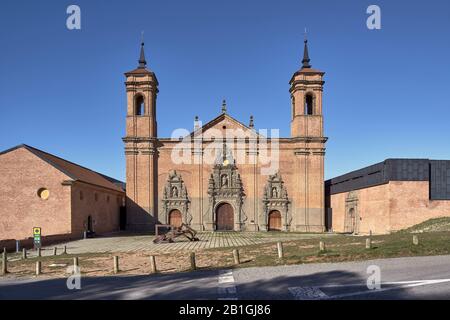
321 246
237 260
38 268
192 259
75 263
17 246
65 250
84 235
116 264
55 250
24 253
153 264
416 240
4 262
39 252
368 243
280 250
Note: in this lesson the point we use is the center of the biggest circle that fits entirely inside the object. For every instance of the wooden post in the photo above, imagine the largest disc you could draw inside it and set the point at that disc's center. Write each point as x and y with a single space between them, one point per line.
321 246
65 250
24 253
192 259
153 264
416 240
39 252
237 260
38 268
55 250
4 262
368 243
116 264
280 250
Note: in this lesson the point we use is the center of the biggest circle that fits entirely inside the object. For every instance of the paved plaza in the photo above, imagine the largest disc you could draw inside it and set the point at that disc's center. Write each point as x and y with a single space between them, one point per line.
144 243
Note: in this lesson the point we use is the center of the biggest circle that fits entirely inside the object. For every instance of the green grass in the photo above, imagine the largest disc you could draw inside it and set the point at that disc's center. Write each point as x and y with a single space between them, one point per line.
433 225
341 248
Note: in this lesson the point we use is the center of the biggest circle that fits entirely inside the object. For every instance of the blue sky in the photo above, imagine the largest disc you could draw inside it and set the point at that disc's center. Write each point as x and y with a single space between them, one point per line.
387 92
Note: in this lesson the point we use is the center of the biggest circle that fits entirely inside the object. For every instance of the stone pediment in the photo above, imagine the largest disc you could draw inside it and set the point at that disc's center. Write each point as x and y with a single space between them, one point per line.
225 121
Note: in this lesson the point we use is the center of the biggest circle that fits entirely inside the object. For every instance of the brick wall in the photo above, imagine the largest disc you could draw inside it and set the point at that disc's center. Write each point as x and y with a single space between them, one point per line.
389 207
103 205
22 174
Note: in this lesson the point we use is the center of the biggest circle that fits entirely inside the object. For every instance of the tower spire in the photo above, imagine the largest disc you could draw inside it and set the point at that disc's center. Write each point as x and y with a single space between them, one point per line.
142 61
306 60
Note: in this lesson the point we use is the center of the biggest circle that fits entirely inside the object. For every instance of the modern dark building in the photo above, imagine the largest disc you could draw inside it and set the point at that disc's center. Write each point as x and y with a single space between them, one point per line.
388 196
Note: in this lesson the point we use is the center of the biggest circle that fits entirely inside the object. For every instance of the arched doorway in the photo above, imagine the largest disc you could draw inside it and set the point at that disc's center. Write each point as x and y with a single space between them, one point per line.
89 224
175 218
224 217
274 221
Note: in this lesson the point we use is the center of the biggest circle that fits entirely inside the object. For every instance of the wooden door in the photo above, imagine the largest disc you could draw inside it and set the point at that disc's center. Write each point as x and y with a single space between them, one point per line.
350 221
275 221
224 217
175 218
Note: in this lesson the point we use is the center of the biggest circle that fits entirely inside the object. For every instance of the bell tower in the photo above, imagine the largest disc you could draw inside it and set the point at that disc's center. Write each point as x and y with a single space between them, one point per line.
306 96
307 135
141 146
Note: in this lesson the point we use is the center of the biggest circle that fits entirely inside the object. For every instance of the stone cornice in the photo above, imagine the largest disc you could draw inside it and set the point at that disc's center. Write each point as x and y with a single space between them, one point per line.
139 139
315 152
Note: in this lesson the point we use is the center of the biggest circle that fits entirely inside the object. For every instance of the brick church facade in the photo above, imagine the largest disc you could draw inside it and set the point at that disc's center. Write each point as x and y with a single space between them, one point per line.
228 193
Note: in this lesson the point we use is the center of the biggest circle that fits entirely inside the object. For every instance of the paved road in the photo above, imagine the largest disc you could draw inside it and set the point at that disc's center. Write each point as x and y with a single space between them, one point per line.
402 278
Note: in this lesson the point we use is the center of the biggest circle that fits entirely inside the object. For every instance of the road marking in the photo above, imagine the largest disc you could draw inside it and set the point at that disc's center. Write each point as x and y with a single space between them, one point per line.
315 293
402 285
226 279
226 289
307 293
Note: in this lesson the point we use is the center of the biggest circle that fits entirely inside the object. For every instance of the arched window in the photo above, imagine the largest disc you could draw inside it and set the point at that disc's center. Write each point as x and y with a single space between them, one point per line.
309 105
139 105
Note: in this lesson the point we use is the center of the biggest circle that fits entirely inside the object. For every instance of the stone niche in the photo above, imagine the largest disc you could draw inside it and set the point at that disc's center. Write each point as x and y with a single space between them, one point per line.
175 197
276 198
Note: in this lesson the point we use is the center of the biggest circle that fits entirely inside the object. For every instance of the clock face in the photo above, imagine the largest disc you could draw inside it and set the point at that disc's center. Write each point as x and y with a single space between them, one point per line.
226 162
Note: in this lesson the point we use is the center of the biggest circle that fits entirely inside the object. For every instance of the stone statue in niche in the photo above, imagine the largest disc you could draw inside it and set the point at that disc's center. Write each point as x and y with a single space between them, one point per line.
224 181
175 192
274 192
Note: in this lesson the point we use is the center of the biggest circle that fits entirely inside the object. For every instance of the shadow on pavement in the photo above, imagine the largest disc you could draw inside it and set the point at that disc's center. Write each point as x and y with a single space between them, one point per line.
201 285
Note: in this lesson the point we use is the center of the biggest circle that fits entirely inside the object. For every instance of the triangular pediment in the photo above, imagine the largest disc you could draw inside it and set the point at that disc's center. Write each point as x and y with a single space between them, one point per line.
225 122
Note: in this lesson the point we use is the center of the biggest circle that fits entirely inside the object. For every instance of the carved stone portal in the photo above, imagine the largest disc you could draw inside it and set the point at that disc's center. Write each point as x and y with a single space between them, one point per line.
351 221
276 198
175 197
225 186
